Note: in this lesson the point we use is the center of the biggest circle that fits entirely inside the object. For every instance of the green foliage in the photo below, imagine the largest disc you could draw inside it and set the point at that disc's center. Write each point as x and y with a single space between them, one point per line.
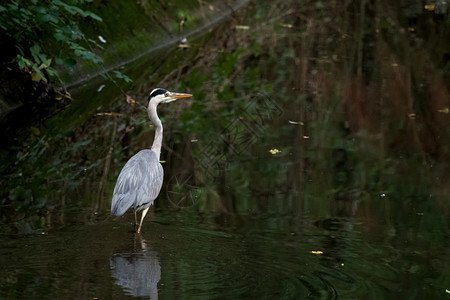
119 75
37 171
28 23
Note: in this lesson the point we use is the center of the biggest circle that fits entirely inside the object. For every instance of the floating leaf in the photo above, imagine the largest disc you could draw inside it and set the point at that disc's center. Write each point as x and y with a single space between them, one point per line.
317 252
444 110
429 7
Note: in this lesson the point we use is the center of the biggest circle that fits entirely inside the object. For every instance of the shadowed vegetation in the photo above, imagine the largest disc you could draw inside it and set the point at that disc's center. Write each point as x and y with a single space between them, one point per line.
314 153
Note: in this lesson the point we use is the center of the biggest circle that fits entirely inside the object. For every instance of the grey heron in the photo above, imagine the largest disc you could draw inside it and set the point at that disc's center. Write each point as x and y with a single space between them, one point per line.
141 178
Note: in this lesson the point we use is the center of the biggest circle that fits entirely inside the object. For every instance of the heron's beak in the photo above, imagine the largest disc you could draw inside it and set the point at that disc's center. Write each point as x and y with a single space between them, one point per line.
176 96
180 95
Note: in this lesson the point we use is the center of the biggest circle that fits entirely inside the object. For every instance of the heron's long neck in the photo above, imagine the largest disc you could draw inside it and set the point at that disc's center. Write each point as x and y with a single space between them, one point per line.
157 142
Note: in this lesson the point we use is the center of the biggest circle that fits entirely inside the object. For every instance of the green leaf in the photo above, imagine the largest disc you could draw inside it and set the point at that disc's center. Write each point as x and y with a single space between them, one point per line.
38 57
60 36
81 144
69 8
122 76
40 9
68 63
46 64
13 6
49 18
37 76
22 61
93 16
52 72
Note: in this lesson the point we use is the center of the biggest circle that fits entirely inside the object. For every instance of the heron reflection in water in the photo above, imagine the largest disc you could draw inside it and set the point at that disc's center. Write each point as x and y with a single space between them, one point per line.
137 272
141 179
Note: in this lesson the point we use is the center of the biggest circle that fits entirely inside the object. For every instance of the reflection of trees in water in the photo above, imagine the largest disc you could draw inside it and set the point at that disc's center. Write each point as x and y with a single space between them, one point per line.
137 273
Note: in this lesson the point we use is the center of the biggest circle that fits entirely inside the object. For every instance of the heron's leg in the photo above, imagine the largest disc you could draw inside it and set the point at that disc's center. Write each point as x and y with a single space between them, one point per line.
135 220
144 212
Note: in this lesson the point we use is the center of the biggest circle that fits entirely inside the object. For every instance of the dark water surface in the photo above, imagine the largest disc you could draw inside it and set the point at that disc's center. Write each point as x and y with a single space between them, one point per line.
186 255
311 163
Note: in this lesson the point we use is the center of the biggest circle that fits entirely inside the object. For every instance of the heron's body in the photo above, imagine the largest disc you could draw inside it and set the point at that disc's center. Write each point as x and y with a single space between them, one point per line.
141 179
138 183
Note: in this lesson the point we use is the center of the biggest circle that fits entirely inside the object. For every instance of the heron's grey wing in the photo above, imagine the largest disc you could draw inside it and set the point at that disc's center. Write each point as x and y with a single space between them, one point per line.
138 183
151 182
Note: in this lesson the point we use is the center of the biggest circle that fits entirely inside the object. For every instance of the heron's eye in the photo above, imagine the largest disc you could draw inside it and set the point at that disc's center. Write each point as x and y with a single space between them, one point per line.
167 94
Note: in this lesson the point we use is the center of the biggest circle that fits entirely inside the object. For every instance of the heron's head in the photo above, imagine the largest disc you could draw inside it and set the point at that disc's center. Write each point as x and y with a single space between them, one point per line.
164 96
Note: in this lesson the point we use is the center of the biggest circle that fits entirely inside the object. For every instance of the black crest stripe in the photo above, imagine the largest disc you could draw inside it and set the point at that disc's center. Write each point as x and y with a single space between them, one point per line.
156 92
